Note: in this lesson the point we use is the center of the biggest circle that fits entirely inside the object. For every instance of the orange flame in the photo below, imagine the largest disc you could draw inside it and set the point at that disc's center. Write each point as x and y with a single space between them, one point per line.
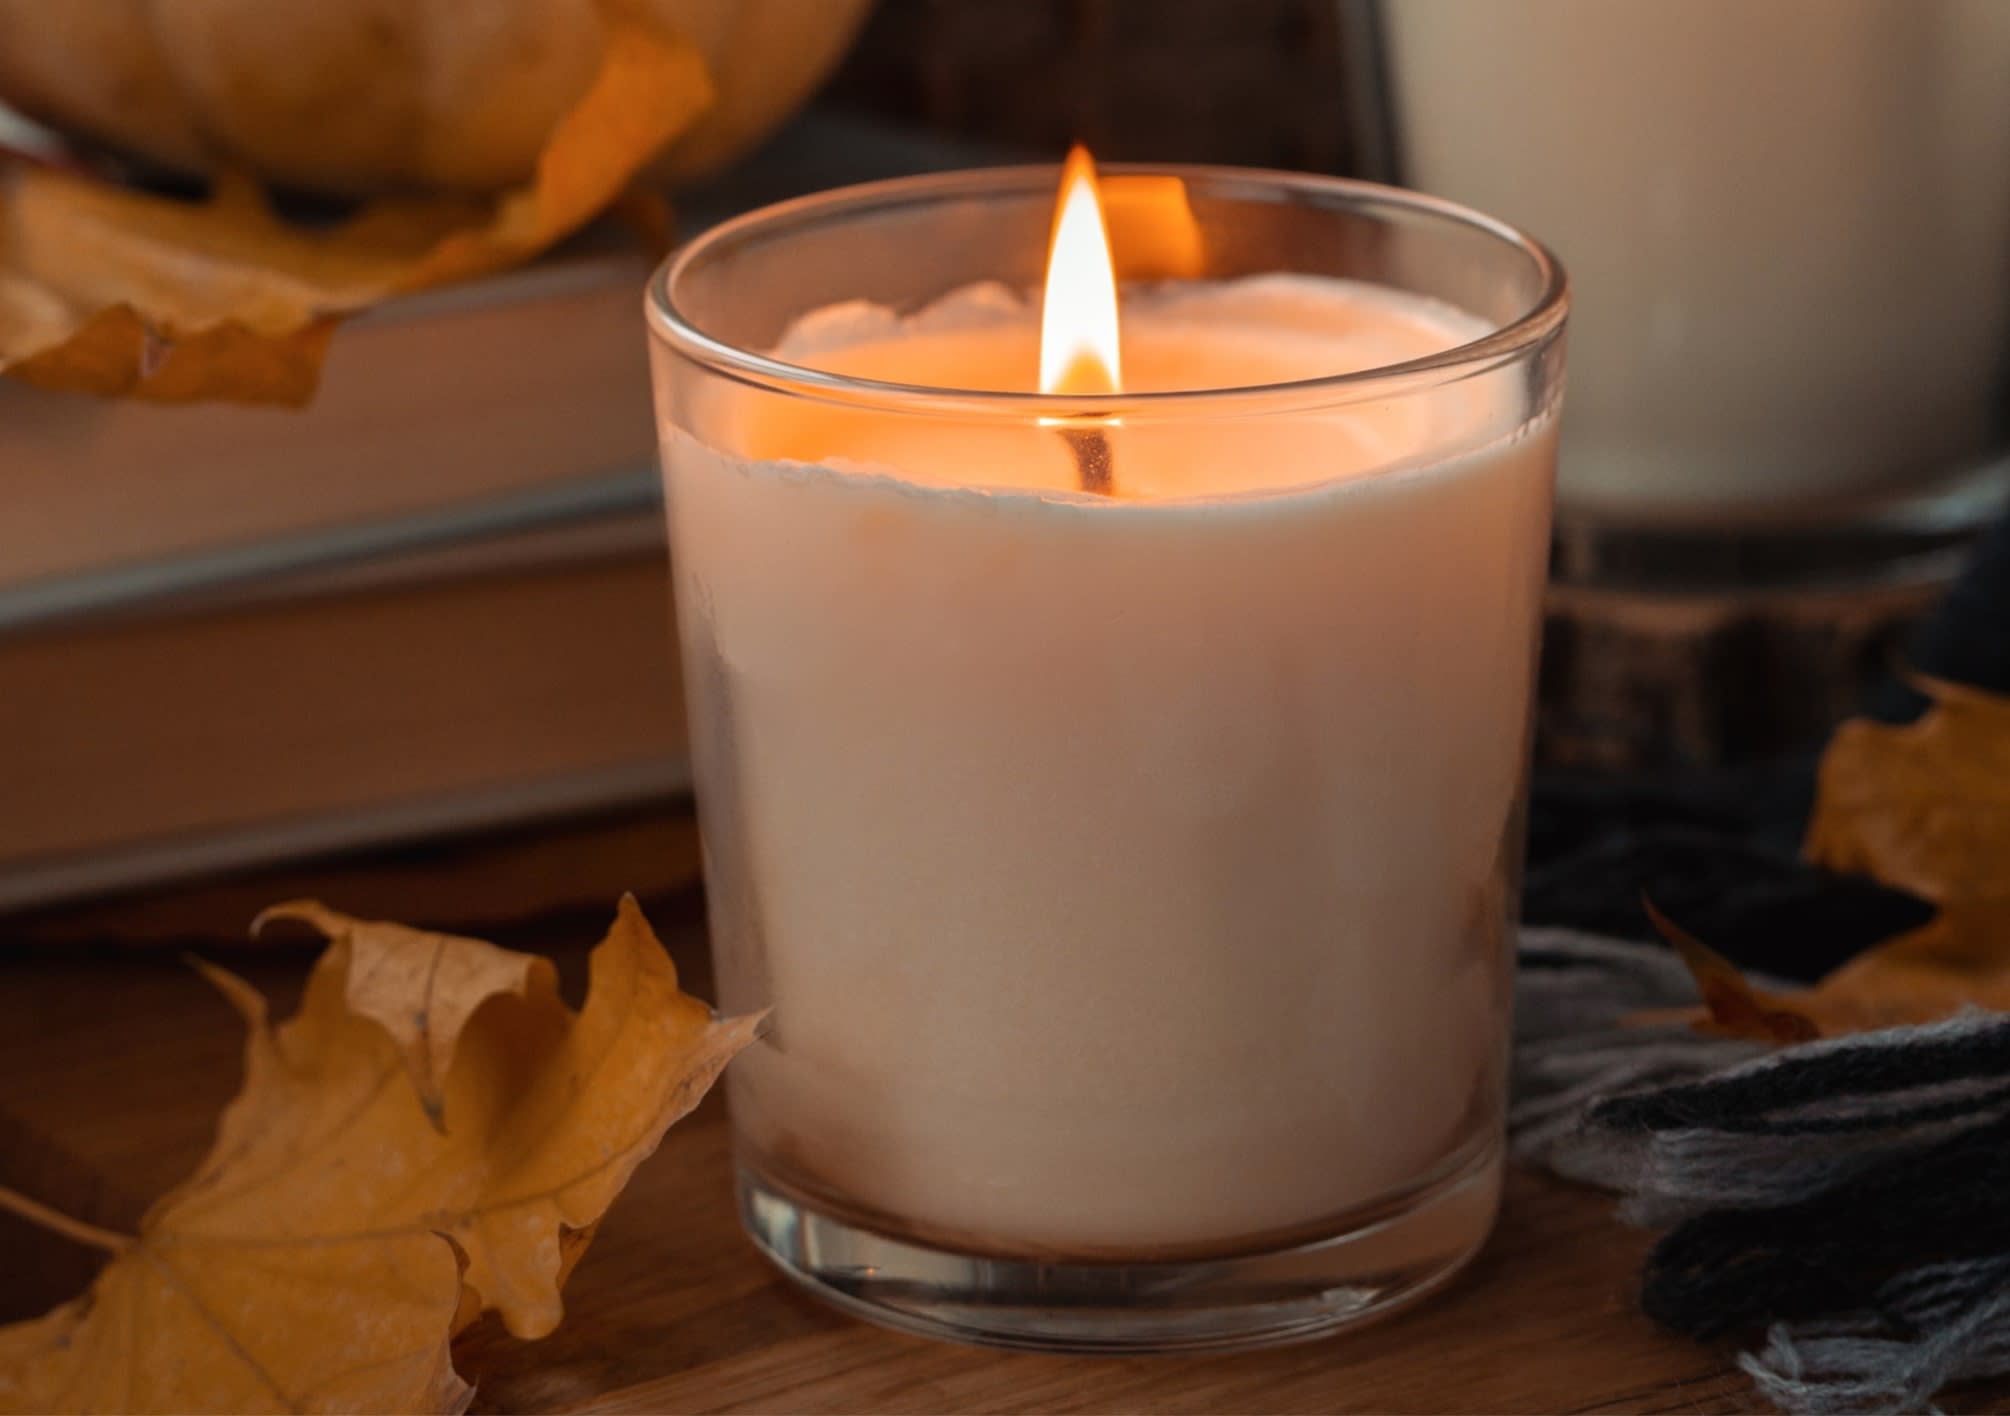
1078 321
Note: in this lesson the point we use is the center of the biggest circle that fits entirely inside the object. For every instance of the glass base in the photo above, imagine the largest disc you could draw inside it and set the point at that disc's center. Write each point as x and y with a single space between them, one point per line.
1373 1263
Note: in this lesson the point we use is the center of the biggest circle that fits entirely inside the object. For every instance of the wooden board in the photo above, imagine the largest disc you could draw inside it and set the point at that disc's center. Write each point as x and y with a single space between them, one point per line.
114 1061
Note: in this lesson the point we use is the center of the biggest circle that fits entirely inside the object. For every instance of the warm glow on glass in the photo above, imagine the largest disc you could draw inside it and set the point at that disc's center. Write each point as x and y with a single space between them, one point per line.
1078 322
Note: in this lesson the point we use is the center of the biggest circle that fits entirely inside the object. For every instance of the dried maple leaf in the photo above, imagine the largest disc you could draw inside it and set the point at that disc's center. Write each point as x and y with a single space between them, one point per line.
111 291
1925 806
420 987
323 1254
1956 961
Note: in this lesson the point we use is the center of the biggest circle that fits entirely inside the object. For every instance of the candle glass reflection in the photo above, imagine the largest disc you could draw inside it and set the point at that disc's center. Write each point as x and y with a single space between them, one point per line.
1128 869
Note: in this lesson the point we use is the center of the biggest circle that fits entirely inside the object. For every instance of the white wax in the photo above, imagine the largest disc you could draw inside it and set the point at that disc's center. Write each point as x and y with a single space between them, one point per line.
1125 874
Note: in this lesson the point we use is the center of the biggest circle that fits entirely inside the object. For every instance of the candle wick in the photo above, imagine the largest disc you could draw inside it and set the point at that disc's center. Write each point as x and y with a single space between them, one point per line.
1093 466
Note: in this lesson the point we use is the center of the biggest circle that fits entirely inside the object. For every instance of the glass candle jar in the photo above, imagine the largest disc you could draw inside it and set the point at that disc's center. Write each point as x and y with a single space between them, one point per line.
1128 868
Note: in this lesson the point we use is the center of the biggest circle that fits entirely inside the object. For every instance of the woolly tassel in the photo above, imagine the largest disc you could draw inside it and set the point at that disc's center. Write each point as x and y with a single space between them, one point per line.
1791 1125
1937 1325
1848 1191
1829 1250
1573 1048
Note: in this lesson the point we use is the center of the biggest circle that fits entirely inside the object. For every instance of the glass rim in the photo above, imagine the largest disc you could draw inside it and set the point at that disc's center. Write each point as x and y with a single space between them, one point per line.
1528 331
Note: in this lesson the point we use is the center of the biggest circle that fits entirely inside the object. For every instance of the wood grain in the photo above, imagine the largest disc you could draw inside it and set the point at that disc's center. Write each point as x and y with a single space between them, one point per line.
114 1062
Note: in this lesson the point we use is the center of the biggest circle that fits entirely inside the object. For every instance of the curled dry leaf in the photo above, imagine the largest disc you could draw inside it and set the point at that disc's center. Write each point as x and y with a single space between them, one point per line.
1924 807
1956 961
111 291
420 987
324 1253
1732 1007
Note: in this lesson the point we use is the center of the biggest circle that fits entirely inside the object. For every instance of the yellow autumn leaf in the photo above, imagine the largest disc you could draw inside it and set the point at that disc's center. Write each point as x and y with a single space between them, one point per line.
1924 806
324 1253
420 987
112 291
1731 1006
1956 961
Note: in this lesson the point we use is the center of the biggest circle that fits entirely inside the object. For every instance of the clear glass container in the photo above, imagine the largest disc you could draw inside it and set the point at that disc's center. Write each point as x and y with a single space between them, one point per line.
1130 876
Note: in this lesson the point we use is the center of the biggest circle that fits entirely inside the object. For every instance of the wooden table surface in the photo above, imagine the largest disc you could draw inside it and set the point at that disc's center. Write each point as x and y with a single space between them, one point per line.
115 1058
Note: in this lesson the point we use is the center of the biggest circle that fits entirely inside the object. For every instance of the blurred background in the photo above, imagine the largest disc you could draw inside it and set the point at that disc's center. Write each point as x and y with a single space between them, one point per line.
430 596
1259 84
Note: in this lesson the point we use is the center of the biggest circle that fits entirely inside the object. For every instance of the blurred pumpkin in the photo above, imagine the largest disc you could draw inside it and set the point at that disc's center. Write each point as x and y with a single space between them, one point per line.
365 96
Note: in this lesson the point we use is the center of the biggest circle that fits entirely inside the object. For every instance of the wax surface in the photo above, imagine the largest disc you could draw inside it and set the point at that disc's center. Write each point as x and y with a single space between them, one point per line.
1266 330
1125 874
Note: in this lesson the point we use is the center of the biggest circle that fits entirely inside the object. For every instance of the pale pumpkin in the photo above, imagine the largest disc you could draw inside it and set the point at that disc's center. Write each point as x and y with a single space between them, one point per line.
365 96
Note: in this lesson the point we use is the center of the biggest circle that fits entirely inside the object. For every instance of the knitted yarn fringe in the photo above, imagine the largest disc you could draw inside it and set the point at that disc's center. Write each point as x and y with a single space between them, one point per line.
1844 1195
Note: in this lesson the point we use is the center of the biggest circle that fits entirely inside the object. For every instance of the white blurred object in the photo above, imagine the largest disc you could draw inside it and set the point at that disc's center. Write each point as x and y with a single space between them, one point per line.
1787 224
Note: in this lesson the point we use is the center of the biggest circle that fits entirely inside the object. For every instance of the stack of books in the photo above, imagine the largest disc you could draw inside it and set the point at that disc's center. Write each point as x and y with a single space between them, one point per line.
435 598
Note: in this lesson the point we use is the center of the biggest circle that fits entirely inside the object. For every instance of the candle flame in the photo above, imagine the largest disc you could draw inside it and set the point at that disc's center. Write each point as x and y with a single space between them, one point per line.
1078 321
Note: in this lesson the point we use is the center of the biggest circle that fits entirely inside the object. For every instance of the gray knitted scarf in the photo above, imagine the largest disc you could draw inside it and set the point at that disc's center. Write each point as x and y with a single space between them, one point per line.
1848 1198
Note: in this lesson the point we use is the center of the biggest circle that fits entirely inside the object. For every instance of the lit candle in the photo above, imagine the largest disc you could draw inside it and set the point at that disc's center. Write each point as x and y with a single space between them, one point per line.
1116 800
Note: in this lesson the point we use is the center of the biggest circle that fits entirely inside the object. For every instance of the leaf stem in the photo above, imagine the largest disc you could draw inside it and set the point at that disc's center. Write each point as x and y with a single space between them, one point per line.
56 1222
